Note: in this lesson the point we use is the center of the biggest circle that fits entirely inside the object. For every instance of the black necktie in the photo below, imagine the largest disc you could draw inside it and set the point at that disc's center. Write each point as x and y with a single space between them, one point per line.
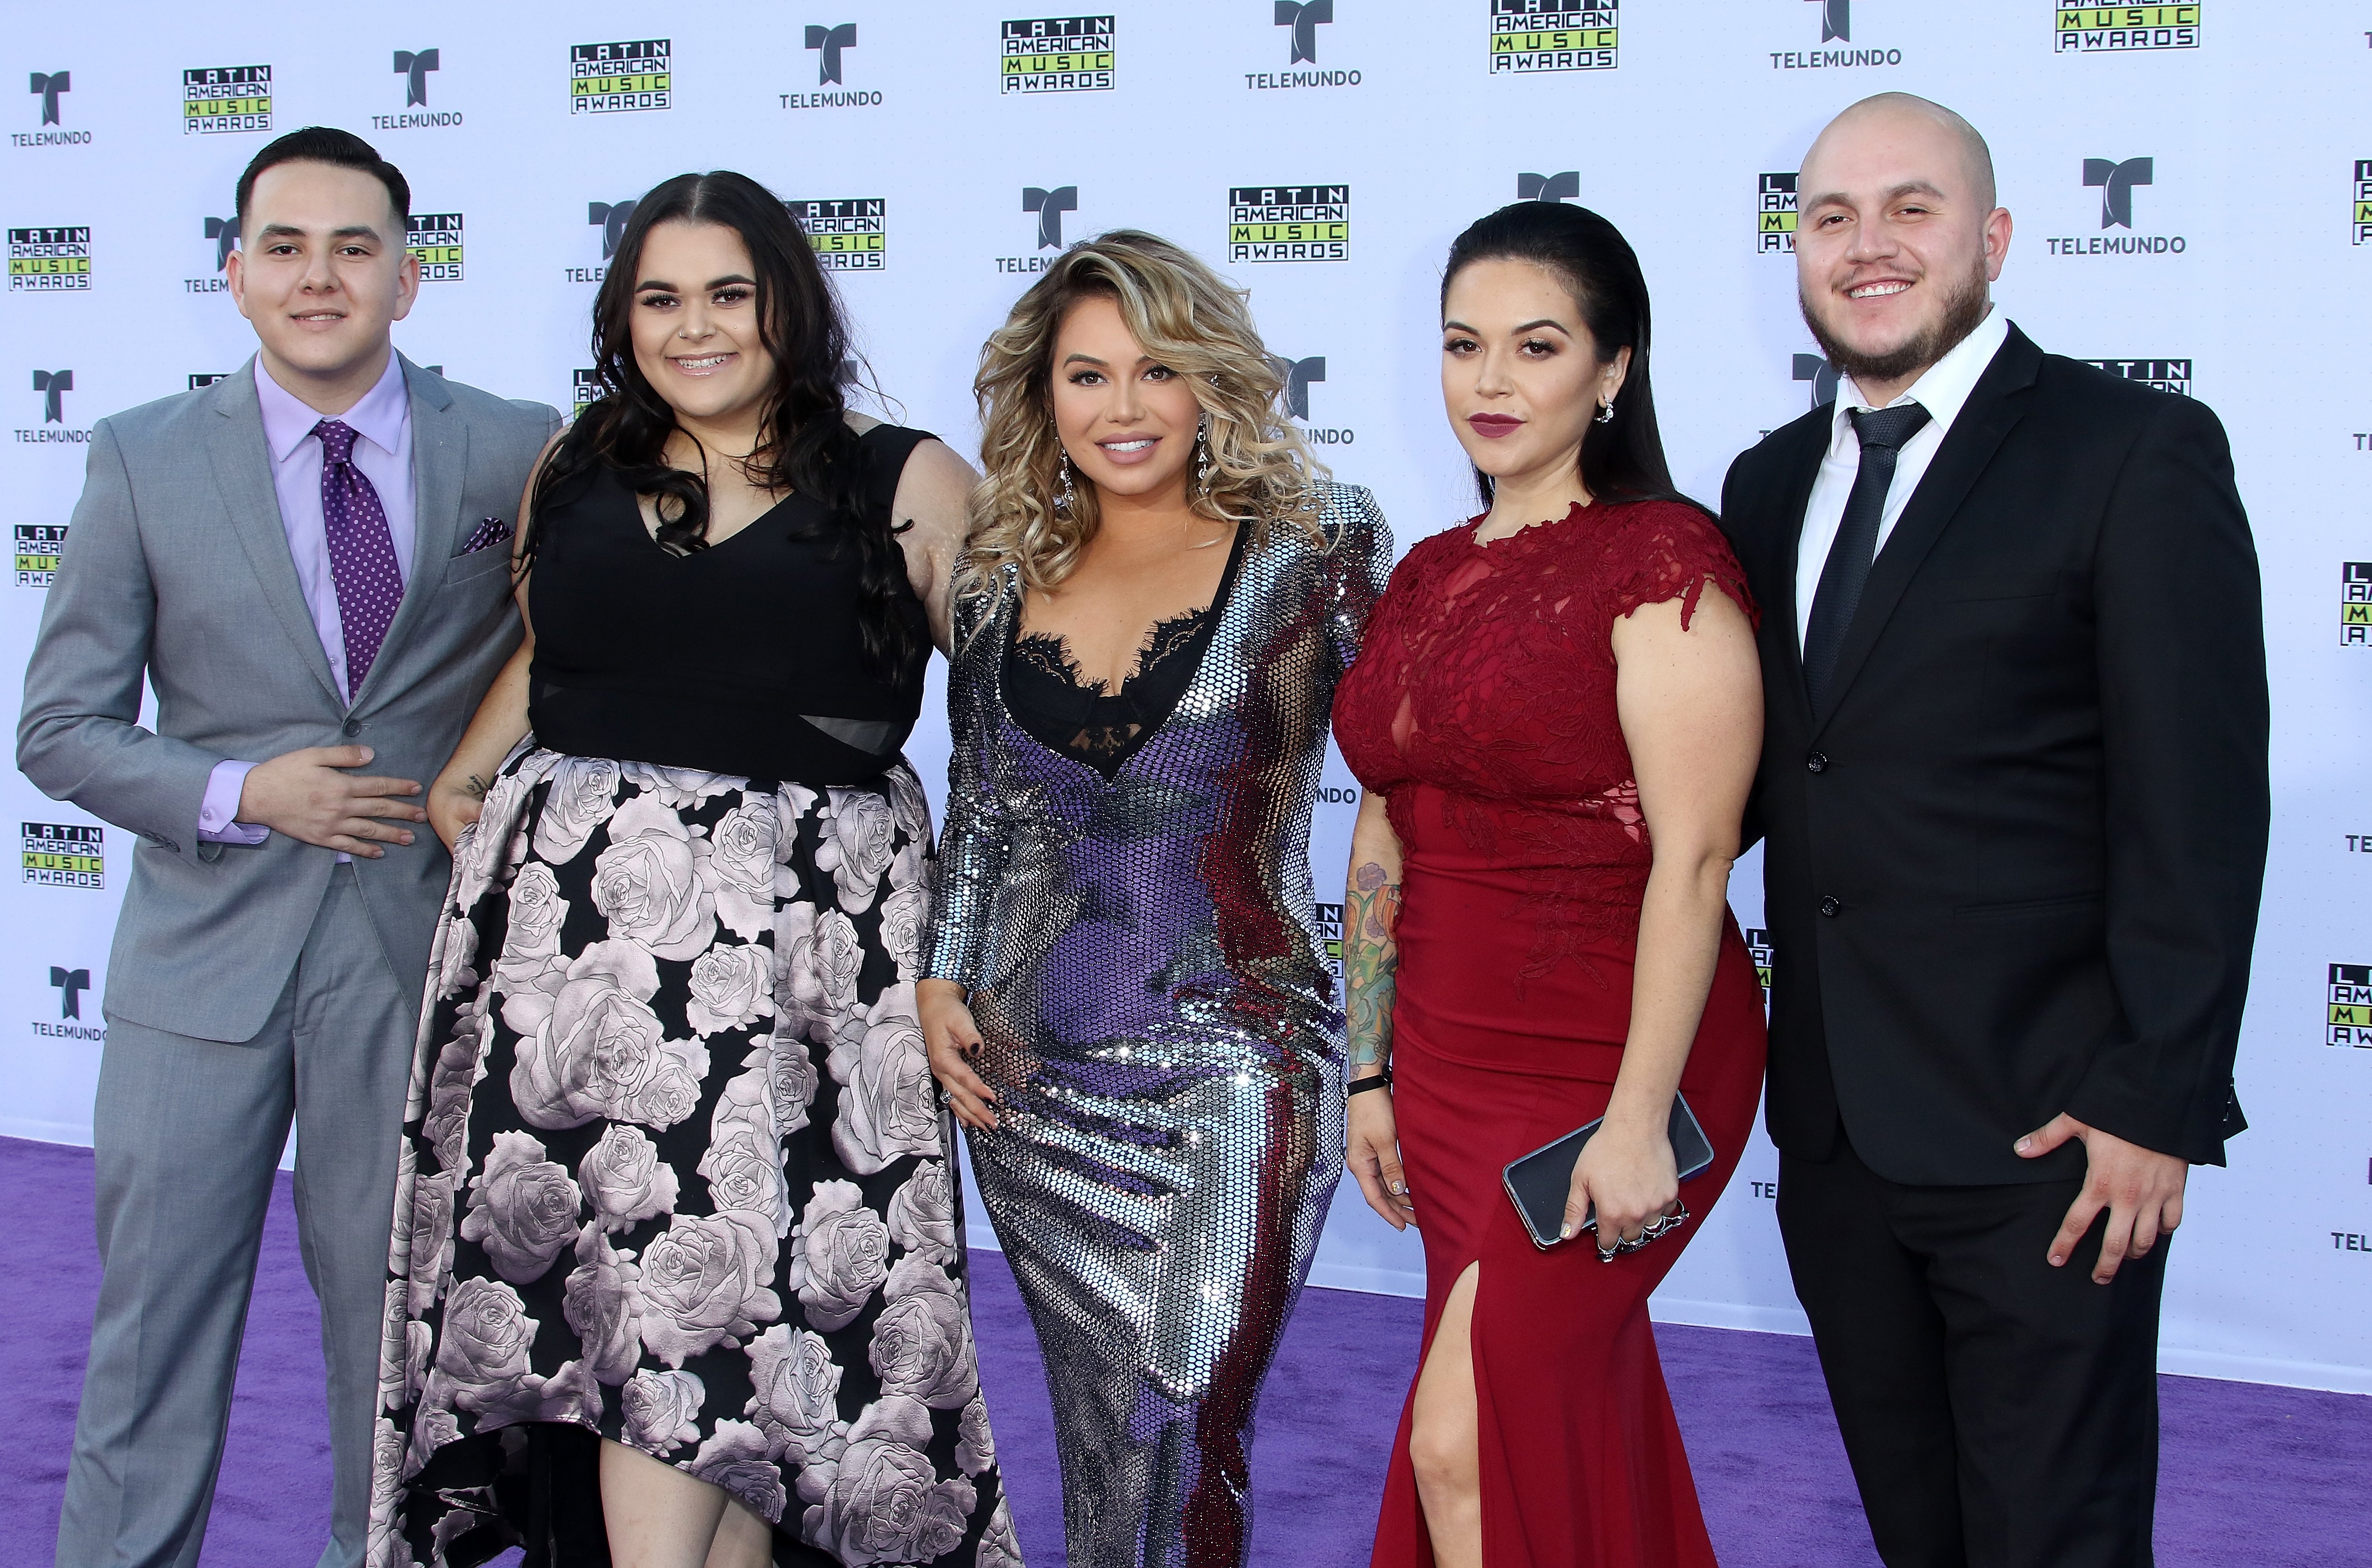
1881 433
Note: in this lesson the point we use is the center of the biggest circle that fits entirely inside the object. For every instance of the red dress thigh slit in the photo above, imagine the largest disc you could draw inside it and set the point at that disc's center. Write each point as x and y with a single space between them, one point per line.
1482 709
1581 1459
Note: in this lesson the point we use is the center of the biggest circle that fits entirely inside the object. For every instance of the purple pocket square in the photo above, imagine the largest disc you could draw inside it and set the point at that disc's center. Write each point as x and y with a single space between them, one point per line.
485 535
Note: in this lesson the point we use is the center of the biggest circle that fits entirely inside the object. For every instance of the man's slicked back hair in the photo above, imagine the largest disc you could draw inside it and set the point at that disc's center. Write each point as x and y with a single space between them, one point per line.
325 144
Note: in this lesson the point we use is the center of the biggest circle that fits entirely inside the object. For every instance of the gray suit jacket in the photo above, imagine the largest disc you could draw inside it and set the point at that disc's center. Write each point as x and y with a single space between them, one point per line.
177 567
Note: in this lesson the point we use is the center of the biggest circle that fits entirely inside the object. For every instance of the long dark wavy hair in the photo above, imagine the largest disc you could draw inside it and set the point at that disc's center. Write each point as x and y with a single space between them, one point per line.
1623 459
804 443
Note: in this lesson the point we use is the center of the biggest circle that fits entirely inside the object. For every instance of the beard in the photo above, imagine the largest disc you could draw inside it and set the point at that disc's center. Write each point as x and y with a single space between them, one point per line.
1964 310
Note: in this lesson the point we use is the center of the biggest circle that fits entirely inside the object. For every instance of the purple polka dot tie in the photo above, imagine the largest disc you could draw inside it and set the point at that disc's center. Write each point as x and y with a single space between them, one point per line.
361 551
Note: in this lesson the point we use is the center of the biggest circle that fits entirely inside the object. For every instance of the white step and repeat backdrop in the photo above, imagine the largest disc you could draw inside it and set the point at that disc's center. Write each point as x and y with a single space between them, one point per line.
2193 185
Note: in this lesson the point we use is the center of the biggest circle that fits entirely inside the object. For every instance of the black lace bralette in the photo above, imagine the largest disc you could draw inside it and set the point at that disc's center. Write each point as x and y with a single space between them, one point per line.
1066 712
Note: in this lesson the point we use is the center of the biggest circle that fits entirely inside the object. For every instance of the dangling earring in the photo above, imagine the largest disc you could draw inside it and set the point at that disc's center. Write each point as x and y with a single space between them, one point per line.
1605 412
1064 496
1203 454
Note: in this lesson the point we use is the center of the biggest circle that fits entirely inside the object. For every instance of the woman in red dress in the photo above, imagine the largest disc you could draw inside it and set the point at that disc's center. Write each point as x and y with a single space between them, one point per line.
1557 724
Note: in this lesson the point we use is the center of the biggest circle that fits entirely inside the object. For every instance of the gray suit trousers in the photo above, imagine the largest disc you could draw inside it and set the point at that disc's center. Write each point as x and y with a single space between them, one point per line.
189 1133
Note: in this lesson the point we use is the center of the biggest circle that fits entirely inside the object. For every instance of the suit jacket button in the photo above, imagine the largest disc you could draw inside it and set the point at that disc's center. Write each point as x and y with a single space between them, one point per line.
1817 762
1829 906
354 726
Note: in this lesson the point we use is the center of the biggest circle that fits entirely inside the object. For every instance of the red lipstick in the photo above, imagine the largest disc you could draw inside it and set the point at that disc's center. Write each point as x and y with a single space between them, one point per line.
1492 426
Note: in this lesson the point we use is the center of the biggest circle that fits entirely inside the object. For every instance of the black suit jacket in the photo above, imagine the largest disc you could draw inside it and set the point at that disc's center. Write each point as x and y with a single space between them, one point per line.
2012 867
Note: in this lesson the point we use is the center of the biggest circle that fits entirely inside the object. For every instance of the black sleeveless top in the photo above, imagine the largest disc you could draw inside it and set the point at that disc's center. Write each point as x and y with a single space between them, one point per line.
1061 710
743 659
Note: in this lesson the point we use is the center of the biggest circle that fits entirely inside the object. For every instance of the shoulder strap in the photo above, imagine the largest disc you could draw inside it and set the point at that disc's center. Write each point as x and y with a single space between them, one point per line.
886 450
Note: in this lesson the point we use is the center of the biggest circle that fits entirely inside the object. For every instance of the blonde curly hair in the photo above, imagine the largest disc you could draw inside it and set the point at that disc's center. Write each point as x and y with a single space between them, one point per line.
1187 318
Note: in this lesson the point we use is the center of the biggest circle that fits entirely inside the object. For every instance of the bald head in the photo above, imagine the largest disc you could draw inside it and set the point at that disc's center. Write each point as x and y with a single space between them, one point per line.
1906 117
1898 240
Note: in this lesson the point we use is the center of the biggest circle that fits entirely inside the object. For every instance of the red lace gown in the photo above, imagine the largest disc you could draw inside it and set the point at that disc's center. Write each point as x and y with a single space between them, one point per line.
1483 708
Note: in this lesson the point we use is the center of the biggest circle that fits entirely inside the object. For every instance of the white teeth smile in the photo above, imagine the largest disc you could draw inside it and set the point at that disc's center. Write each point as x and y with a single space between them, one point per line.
1876 290
711 363
1137 445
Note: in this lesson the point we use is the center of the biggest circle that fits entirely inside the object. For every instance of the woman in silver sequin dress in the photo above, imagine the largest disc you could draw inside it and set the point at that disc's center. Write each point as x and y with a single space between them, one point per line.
1156 603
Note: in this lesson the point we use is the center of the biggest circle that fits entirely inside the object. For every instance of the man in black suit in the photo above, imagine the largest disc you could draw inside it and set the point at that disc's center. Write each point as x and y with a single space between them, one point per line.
2014 806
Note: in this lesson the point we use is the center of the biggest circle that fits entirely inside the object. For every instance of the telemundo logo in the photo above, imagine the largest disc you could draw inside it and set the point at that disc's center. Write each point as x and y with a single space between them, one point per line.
1299 376
1047 203
49 260
223 233
1305 18
1816 368
62 855
1057 54
1301 18
1288 223
435 241
220 98
51 387
1774 214
49 87
848 233
611 218
828 42
1836 26
1531 36
620 78
831 43
1560 187
39 546
2117 180
414 65
2082 27
70 982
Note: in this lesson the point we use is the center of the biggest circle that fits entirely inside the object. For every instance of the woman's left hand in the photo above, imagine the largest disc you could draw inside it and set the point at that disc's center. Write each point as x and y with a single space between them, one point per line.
1629 1176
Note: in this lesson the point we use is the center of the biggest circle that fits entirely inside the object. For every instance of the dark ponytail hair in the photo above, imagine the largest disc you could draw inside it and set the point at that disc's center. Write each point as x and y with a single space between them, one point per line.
1623 459
803 442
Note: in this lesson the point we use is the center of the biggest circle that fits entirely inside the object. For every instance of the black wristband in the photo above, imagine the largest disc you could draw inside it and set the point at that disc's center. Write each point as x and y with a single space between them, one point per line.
1382 1080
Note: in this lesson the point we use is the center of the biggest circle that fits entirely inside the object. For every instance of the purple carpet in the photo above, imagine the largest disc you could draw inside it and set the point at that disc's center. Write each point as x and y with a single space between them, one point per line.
2250 1474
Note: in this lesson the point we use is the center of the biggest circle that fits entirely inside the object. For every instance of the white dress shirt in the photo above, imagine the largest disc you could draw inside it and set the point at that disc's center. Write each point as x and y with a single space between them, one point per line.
1942 392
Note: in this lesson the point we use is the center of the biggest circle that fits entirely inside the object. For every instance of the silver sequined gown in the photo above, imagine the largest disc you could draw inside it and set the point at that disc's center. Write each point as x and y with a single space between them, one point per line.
1162 1029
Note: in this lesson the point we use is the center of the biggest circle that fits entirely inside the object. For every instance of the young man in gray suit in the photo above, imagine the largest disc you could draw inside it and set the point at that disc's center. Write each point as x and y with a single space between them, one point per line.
309 563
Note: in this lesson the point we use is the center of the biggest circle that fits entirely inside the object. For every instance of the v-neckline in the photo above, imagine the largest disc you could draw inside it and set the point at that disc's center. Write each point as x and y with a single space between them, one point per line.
708 548
1214 615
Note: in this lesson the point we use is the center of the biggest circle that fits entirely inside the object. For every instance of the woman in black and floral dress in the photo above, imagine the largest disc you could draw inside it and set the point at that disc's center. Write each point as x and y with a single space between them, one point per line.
678 1265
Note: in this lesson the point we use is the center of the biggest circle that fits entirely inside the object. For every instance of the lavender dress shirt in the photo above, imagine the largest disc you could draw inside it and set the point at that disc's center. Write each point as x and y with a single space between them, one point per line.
383 420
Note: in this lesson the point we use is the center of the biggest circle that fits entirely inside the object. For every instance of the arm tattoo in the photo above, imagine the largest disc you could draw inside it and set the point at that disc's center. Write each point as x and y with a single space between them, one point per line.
477 787
1371 956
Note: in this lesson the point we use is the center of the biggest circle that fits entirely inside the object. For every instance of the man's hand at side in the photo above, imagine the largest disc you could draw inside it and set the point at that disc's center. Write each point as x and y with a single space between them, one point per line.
309 795
2141 1189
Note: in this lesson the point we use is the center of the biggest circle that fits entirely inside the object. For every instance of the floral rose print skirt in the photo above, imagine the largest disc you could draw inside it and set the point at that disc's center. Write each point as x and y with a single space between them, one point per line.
674 1172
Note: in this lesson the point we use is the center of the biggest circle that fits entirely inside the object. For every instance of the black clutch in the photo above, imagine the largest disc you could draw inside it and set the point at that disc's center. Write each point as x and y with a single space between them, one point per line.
1538 1183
